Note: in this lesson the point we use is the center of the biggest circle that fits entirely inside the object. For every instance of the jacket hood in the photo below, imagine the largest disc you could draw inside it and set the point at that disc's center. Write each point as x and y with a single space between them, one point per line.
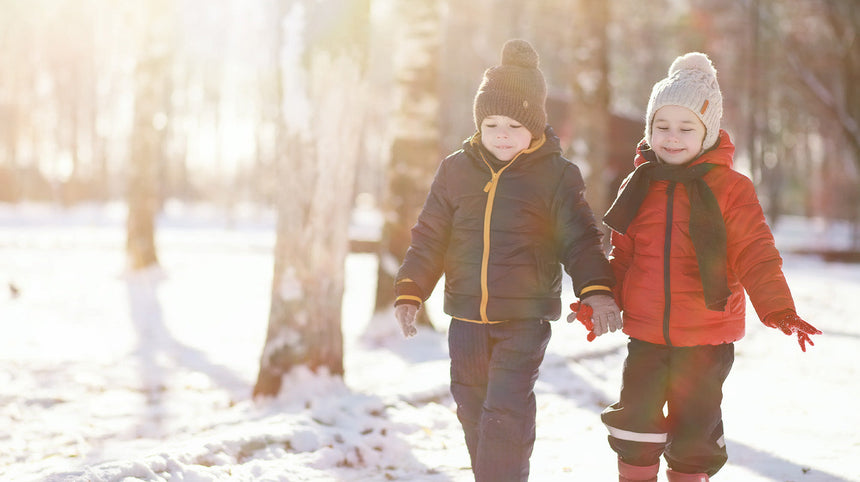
722 154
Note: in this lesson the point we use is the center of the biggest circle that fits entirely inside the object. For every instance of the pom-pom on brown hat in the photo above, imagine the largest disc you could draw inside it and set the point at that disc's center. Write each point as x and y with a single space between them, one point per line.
515 89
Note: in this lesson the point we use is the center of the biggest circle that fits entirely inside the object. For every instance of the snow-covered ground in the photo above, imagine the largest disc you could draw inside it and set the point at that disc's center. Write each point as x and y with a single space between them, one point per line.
108 375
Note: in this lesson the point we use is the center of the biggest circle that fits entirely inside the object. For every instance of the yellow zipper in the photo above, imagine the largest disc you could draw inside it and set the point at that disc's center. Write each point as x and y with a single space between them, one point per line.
490 189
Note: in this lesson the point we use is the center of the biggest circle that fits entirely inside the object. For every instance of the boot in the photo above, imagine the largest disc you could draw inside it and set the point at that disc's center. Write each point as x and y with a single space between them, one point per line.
637 473
681 477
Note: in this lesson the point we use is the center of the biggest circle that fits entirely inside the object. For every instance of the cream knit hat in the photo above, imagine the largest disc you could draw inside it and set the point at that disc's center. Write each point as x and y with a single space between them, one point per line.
692 83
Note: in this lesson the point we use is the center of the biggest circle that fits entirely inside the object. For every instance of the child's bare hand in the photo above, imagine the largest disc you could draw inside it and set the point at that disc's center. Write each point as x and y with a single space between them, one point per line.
789 323
405 315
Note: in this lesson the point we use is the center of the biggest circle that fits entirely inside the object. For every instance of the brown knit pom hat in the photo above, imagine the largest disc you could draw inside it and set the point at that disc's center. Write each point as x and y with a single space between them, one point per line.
515 89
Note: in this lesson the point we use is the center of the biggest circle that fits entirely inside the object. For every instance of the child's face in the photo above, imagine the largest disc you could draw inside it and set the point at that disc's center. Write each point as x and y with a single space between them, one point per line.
676 134
504 137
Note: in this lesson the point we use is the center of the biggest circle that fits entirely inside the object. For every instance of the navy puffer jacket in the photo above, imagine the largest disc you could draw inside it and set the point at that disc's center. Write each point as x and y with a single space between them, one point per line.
500 232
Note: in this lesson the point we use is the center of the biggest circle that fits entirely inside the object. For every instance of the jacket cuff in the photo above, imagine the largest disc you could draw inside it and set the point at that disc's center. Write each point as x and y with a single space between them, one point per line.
407 291
592 290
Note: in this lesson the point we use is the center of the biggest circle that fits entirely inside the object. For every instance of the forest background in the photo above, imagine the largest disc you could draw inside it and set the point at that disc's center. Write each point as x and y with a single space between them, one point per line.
304 109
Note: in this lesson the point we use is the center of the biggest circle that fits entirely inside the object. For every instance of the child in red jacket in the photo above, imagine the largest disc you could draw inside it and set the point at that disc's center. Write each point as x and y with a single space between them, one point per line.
689 236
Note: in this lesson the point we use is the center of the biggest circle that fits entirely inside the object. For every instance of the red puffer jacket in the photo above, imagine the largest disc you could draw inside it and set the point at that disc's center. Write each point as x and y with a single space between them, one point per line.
659 286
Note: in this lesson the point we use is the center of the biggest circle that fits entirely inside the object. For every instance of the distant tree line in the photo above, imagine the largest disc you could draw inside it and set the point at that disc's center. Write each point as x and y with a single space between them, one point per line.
68 74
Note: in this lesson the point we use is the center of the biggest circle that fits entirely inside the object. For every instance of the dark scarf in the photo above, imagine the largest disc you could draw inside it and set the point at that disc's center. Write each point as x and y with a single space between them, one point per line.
707 227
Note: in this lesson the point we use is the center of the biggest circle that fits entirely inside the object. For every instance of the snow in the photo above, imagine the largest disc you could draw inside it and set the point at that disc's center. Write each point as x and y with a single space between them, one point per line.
109 375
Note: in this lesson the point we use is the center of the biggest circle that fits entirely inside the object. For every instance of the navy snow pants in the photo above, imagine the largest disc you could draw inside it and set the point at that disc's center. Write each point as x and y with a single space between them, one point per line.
689 382
494 368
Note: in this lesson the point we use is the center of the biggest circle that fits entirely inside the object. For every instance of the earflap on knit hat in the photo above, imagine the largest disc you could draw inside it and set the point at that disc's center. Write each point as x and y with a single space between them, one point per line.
691 83
515 89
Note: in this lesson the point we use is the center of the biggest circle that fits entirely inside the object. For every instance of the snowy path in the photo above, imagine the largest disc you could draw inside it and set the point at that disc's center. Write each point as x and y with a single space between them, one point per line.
111 376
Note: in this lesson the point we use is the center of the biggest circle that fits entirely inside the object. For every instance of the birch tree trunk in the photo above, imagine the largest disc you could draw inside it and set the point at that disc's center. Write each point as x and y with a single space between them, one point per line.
415 147
322 104
151 84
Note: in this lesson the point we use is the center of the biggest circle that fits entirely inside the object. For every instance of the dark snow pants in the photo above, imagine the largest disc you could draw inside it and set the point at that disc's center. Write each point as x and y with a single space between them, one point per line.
494 368
689 381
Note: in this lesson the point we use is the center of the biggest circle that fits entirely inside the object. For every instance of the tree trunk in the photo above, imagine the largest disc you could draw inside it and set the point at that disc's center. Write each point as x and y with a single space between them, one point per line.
590 107
415 147
317 158
147 138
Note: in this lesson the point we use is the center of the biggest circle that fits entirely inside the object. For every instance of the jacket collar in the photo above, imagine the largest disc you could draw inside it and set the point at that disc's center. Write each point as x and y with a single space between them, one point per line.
722 154
547 144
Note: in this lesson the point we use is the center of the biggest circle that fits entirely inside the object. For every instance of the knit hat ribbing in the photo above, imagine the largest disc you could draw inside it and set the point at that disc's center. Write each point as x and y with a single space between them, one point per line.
515 89
692 83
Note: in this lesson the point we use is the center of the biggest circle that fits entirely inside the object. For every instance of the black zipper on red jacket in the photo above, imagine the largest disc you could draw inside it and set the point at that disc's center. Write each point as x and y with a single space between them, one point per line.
667 258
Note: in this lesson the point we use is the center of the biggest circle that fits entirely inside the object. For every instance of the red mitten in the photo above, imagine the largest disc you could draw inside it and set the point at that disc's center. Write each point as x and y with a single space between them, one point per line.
789 323
583 314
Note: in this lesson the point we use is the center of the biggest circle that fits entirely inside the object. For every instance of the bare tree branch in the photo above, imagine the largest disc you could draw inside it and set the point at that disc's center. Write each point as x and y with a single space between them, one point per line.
848 123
